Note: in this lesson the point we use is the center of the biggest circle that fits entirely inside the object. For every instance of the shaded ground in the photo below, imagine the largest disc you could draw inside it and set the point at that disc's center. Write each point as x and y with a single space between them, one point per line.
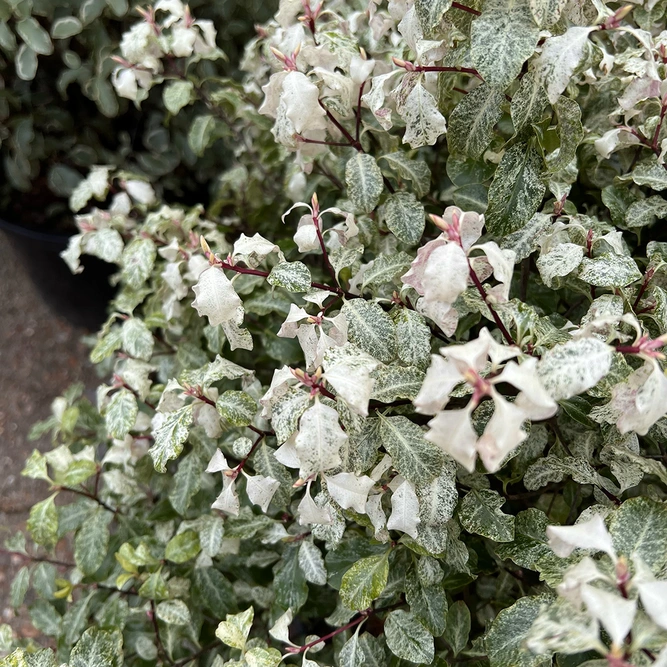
40 355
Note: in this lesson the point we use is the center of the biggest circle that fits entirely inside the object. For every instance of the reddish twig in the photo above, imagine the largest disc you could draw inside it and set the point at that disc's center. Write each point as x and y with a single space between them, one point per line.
496 318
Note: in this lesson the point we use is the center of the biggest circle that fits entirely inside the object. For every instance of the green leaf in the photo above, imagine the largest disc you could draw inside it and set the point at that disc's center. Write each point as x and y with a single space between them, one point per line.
570 132
293 276
458 626
43 522
364 182
528 103
386 269
480 513
182 547
32 33
639 528
137 261
502 39
234 630
92 541
98 648
76 617
213 589
370 328
65 27
169 436
46 618
121 413
430 13
200 135
417 459
187 482
407 638
290 585
517 190
609 270
472 121
177 95
173 612
415 171
428 603
530 539
553 469
505 639
19 587
211 534
404 217
154 588
137 339
236 407
365 581
26 63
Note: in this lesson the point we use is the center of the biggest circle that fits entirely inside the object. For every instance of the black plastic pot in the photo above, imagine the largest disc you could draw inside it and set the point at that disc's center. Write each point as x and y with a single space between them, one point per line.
82 298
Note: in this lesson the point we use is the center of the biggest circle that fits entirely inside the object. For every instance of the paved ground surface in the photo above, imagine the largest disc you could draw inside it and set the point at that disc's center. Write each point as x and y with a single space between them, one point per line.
41 353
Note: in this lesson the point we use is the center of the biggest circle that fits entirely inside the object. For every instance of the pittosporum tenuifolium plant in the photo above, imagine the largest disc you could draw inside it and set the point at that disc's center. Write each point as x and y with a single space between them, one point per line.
398 397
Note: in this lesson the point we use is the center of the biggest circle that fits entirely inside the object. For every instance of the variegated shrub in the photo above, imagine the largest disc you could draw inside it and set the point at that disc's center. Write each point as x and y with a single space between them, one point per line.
398 396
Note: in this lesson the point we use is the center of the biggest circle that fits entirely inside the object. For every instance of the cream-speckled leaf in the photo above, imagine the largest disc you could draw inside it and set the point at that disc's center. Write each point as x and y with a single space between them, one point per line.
502 39
121 413
404 510
386 269
528 103
364 581
472 121
480 513
293 276
553 469
561 56
216 298
407 638
570 133
546 12
530 539
234 630
137 340
137 261
170 431
312 563
43 522
517 190
350 490
177 95
371 329
438 498
173 612
430 13
319 439
92 541
413 337
505 639
559 262
395 382
417 459
639 528
573 367
286 410
423 121
524 241
364 182
404 216
609 270
236 408
644 212
98 648
652 173
415 171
